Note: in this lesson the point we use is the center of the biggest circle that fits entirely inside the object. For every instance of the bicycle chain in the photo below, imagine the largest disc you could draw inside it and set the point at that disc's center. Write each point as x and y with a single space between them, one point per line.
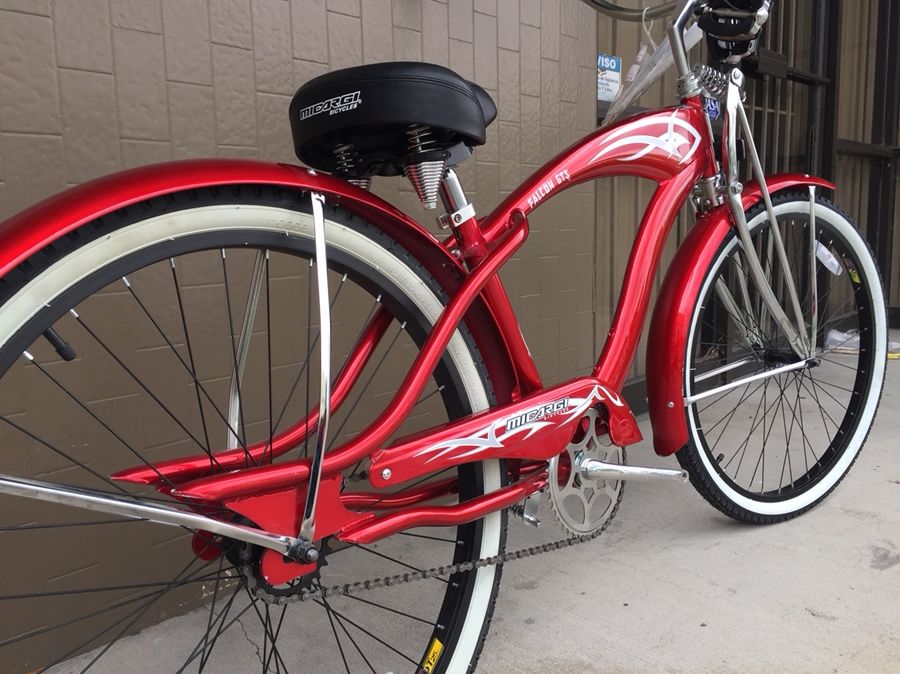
412 576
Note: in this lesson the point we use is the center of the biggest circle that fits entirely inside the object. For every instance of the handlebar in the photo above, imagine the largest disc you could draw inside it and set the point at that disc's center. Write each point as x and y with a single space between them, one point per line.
627 14
683 34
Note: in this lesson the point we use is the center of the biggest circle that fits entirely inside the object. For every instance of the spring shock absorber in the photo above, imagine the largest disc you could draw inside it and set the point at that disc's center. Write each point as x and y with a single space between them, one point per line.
713 83
425 164
348 165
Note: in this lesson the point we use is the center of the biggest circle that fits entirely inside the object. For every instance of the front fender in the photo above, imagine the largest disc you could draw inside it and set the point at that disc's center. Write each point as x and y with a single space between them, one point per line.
38 226
666 349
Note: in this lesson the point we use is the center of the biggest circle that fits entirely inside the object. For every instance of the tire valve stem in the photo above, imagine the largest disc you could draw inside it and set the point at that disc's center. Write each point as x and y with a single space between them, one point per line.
719 458
63 348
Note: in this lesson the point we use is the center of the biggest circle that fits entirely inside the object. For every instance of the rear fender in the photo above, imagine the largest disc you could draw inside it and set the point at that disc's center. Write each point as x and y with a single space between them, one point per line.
669 327
38 226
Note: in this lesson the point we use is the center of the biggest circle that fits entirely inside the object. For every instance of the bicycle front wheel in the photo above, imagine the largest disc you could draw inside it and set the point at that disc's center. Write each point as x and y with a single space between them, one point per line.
191 328
771 432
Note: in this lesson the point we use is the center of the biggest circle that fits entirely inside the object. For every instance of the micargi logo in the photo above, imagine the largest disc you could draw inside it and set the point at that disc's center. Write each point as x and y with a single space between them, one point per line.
333 106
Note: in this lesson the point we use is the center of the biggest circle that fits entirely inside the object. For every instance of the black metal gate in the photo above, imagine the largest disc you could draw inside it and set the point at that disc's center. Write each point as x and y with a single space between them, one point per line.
823 98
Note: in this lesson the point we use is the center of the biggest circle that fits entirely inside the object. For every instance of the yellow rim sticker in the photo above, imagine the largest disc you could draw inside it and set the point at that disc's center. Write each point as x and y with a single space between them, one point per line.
854 276
431 658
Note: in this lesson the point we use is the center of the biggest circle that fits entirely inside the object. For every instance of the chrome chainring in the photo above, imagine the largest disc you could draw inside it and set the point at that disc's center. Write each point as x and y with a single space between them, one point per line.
584 506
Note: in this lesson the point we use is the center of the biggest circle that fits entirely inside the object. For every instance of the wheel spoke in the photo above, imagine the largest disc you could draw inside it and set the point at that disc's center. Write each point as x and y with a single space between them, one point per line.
839 364
333 614
822 382
757 420
806 443
730 415
189 369
212 608
342 617
430 623
722 397
145 388
69 458
217 576
134 616
742 448
187 343
762 451
337 639
392 559
275 639
268 636
65 525
822 407
205 645
430 538
786 461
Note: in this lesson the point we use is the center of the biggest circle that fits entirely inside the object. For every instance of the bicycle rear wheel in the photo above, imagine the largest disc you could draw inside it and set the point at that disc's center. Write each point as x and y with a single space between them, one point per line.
772 434
158 302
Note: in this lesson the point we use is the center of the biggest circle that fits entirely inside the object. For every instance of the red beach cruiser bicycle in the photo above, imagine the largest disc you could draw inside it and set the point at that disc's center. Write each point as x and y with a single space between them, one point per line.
255 393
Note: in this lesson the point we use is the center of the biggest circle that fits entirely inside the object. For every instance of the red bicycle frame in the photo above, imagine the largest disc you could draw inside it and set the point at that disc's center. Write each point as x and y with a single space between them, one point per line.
669 147
672 147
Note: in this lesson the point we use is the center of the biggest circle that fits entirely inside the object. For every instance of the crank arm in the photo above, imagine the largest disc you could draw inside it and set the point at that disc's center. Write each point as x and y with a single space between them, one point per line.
592 469
114 504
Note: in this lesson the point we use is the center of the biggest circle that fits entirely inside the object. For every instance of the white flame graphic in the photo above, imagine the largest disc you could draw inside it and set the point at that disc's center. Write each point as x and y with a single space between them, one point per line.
487 437
670 142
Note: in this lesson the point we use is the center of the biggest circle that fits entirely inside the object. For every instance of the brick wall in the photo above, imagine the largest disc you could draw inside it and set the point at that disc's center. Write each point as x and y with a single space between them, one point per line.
88 87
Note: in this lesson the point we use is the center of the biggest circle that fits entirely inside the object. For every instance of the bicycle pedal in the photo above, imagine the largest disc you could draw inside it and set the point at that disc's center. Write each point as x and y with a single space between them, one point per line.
529 510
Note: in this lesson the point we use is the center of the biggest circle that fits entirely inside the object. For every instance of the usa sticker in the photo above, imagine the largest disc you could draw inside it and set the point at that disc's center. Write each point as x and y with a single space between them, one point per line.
713 109
609 77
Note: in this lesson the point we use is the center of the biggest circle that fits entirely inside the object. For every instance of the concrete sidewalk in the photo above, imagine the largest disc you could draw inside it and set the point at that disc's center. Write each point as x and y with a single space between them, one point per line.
673 586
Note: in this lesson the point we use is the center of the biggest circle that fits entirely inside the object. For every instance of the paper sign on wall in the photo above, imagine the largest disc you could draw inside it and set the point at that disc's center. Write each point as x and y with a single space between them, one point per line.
609 77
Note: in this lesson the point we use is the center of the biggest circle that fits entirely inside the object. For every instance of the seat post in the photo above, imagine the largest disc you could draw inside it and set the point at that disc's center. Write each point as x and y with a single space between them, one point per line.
460 218
452 192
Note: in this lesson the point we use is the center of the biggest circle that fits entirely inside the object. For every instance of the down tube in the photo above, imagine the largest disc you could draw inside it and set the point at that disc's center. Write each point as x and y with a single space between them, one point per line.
640 275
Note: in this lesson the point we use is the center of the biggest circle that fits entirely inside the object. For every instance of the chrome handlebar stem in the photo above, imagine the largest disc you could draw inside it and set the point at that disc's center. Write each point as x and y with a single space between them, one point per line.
679 51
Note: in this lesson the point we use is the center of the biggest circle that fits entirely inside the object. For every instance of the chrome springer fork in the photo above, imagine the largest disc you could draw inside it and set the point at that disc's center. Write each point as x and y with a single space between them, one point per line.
735 115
